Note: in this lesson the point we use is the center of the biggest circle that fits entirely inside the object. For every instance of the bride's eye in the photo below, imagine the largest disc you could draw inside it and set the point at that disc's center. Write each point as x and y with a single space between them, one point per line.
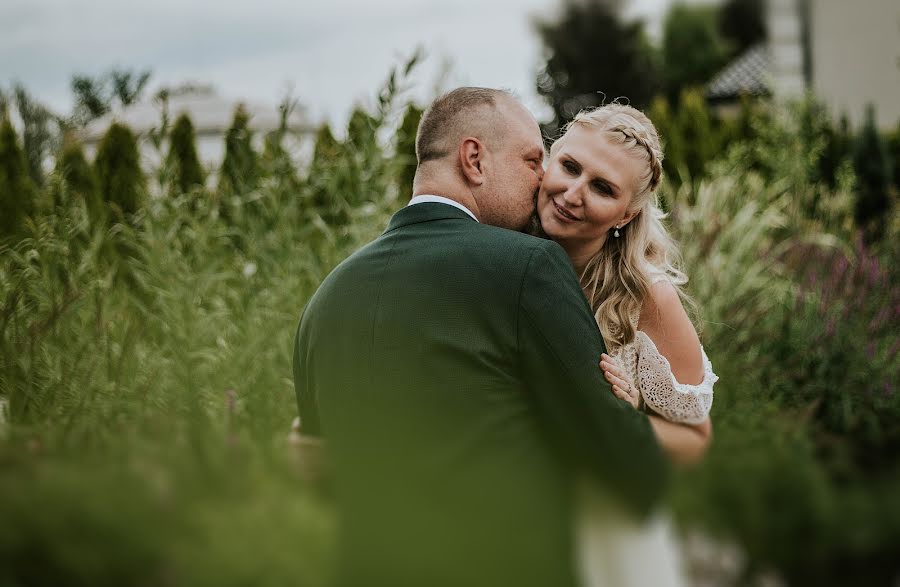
570 167
601 188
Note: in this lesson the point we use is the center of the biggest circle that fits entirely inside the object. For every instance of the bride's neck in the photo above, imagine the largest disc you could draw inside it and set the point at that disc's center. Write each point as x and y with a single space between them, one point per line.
579 263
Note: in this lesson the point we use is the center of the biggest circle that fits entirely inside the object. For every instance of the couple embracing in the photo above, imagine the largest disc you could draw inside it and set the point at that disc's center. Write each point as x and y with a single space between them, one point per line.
501 409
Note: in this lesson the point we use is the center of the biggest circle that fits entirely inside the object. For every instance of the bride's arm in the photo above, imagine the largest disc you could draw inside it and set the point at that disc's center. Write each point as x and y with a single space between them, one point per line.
673 341
684 443
665 322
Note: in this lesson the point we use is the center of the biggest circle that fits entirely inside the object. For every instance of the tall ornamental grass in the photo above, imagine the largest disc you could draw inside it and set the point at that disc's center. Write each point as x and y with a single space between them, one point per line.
146 367
800 321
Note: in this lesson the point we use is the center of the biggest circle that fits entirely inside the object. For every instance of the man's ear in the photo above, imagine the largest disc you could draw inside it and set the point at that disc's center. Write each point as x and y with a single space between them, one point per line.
471 159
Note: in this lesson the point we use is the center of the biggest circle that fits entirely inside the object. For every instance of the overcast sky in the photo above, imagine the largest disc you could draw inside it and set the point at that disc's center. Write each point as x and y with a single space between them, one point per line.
333 53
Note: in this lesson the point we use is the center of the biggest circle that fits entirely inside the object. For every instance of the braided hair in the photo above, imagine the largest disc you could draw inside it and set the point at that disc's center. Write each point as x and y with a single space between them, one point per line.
617 279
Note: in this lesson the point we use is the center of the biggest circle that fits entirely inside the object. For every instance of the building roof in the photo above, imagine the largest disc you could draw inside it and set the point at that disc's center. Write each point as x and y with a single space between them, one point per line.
210 113
749 74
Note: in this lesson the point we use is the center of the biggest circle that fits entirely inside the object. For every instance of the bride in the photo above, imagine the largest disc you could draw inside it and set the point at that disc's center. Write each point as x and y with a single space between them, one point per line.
598 201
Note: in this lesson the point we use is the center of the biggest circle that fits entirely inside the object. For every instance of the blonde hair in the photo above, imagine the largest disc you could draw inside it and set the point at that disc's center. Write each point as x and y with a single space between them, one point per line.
617 279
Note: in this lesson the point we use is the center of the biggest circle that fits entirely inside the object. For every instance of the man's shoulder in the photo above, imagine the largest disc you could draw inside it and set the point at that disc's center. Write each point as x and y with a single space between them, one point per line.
502 238
489 240
510 254
471 251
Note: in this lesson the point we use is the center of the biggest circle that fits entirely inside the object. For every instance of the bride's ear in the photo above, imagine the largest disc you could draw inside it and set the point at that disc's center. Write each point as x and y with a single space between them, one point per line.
626 220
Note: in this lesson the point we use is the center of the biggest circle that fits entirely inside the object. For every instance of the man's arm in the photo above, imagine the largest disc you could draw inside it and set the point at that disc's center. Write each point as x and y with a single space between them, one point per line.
560 347
303 385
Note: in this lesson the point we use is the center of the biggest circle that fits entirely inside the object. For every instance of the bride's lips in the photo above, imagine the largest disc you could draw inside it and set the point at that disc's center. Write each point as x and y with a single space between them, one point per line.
563 213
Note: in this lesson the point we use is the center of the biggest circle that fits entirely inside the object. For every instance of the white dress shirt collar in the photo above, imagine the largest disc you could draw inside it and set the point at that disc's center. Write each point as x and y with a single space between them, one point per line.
441 200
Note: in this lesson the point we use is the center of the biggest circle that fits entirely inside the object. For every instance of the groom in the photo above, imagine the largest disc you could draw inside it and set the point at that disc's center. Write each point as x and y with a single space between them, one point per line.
452 367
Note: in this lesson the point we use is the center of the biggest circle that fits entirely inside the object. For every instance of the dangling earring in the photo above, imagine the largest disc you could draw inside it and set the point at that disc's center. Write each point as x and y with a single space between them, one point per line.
616 233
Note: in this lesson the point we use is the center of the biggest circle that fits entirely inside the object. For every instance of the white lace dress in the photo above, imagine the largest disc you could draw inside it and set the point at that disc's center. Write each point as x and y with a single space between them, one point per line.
614 550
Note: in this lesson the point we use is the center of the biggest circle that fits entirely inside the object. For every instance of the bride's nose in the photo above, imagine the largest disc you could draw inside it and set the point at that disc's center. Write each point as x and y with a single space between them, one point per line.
572 195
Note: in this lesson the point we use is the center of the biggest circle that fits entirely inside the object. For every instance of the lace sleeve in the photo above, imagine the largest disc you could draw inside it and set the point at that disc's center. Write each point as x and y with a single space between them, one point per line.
677 402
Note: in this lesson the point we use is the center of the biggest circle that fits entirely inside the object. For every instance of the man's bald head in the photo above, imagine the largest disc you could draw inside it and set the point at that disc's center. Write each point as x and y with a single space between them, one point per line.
463 112
482 148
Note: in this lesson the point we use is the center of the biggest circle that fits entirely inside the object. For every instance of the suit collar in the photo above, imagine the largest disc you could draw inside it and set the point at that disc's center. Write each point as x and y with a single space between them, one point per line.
422 198
426 212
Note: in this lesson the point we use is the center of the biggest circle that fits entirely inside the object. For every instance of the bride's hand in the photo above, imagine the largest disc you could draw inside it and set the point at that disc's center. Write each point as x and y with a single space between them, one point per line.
621 384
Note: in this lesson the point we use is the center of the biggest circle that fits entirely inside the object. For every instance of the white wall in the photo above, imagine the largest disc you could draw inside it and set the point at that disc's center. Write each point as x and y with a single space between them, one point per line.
856 57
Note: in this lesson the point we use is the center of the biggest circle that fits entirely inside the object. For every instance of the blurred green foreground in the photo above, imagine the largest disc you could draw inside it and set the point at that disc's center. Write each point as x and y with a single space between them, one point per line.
146 355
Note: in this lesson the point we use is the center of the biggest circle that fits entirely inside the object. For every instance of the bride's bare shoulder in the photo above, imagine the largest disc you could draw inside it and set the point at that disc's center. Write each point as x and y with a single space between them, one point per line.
665 321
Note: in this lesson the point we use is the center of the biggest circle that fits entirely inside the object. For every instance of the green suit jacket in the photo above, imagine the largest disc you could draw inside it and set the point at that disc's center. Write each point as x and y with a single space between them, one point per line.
452 368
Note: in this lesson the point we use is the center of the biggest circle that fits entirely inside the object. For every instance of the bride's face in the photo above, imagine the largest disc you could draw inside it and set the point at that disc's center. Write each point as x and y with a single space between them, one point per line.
587 188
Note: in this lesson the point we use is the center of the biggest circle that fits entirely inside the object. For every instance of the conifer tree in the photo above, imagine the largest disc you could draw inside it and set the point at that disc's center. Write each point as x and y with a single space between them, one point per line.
276 161
695 129
836 148
693 50
874 173
273 153
328 174
17 192
79 177
326 152
594 55
37 133
661 116
182 159
360 130
362 154
744 126
118 170
406 150
742 23
327 148
239 172
895 156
